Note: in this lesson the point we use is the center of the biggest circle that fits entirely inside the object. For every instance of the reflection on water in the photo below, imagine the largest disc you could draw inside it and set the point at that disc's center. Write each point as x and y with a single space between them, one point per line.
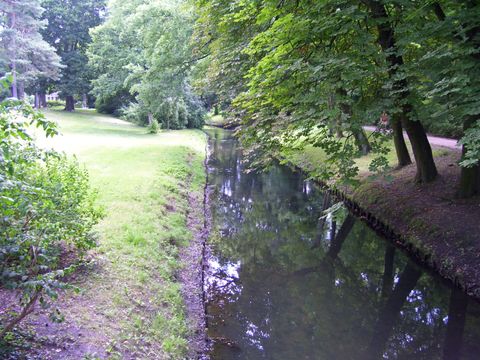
286 283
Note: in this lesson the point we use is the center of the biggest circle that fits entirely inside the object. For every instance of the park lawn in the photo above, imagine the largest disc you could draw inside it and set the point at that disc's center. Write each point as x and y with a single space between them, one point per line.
131 303
216 120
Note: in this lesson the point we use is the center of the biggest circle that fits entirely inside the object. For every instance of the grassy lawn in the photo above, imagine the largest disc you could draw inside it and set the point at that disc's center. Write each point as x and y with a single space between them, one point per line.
215 120
131 305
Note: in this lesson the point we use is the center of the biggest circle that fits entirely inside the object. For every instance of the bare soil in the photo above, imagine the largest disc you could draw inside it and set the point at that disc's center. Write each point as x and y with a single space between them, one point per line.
191 274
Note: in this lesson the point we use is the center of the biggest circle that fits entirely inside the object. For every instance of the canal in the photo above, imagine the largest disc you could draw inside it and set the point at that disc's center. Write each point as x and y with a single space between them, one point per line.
286 281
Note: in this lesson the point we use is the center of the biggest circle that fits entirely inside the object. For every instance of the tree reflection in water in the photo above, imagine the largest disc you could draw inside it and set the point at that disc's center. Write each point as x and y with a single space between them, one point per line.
285 283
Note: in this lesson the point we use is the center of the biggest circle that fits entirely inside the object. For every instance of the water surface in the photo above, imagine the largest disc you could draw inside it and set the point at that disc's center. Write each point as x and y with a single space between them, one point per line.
284 282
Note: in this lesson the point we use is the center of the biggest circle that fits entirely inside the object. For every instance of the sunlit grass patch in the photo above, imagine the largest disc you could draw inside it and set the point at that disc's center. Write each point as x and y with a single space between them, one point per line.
143 181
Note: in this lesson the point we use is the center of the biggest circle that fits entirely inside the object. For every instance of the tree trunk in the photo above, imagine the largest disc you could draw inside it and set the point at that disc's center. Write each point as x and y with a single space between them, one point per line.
469 181
401 149
14 81
21 90
469 177
150 119
37 101
84 101
362 141
69 103
13 21
43 100
456 324
426 170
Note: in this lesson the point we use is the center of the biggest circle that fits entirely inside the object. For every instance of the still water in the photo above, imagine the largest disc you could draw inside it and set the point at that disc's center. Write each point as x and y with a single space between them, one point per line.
284 282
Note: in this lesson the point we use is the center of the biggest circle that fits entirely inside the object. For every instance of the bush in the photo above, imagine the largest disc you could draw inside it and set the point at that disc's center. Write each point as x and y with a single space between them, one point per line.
134 113
46 209
55 103
154 127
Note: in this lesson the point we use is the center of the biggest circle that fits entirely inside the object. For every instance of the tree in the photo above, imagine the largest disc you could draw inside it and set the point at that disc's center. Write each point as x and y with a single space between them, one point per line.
455 84
67 30
143 49
27 55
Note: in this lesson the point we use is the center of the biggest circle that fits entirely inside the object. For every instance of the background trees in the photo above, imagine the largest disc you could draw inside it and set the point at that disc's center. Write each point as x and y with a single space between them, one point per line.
23 51
142 54
68 25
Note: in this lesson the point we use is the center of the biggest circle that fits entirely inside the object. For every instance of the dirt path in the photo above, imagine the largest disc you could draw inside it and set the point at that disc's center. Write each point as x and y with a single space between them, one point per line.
434 140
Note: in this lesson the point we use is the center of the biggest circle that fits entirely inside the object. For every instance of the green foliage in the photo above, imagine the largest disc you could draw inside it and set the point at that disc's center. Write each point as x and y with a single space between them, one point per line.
471 141
67 30
46 209
134 113
314 71
137 297
22 48
154 128
55 103
143 49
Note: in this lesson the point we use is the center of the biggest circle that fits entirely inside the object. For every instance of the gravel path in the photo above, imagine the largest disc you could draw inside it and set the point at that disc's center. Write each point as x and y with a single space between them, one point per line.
434 140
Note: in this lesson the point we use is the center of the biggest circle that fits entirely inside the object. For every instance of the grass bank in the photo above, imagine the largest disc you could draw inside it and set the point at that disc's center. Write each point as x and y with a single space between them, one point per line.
437 228
131 304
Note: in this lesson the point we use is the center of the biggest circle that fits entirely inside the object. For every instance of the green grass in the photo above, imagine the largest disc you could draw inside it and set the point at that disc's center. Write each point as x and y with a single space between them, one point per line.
215 120
311 157
142 181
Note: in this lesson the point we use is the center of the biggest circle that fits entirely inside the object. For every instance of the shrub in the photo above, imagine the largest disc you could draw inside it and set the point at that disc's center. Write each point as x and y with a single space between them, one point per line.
134 113
46 209
55 103
154 127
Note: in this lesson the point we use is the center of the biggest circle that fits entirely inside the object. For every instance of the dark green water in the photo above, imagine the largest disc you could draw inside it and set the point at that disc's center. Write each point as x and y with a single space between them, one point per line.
283 284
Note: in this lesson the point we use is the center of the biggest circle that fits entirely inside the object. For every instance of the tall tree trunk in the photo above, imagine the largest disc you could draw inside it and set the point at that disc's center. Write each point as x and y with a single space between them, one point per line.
362 141
20 90
403 157
84 101
456 324
150 119
69 103
422 151
14 80
469 177
426 169
13 21
37 101
43 100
